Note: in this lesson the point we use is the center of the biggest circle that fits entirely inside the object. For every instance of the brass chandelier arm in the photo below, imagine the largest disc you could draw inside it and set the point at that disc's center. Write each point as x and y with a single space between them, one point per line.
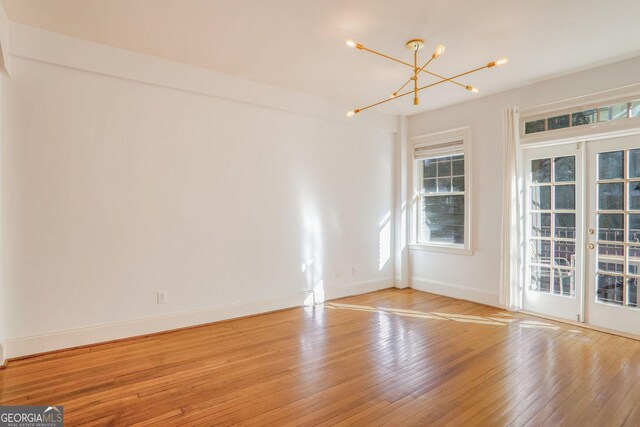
422 88
415 74
386 56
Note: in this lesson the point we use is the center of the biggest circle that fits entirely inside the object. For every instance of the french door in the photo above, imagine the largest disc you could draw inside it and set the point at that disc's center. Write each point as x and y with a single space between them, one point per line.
613 233
554 242
583 232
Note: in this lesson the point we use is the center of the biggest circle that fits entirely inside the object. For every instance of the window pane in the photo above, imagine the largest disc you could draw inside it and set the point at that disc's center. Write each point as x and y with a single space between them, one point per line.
583 117
430 168
443 219
430 185
558 122
619 111
540 279
634 111
564 254
565 226
540 251
604 114
541 197
611 227
610 288
634 228
611 196
565 169
458 167
610 165
444 185
632 292
457 183
565 196
541 170
534 126
541 224
563 281
634 163
444 168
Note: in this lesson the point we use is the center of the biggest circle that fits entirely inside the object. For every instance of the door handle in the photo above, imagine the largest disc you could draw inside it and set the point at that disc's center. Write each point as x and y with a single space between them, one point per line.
591 246
591 231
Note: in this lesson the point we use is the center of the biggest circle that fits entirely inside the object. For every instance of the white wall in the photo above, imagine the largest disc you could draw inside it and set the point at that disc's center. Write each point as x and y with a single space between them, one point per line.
477 277
114 189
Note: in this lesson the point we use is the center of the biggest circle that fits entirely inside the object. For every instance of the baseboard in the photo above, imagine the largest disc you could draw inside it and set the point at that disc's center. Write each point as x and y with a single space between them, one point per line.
456 291
3 360
36 344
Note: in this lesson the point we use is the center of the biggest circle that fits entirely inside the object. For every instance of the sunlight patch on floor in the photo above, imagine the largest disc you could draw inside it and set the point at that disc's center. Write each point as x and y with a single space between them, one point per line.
497 319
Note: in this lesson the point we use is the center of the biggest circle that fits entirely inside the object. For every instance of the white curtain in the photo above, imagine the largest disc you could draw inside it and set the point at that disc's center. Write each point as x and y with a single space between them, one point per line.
512 243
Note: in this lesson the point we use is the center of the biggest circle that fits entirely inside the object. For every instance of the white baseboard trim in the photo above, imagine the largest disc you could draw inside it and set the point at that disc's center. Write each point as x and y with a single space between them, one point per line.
2 358
456 291
25 346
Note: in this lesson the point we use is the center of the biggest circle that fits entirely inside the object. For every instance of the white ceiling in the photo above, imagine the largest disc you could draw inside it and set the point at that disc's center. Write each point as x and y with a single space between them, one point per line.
299 44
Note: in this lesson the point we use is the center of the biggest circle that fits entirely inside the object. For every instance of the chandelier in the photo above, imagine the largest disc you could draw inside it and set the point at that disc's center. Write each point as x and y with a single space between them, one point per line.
415 45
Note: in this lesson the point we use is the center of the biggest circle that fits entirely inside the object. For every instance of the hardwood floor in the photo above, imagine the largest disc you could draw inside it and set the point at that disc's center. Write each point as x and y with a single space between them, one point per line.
396 357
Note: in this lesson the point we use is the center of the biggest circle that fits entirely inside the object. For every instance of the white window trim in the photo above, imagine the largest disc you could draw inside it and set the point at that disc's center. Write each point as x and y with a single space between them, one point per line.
450 136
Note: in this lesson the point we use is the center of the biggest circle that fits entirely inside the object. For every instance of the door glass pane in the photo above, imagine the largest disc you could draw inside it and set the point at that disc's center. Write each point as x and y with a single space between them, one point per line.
632 292
565 225
540 279
610 165
541 197
634 228
541 170
611 196
565 169
563 282
541 224
611 227
565 196
540 251
634 195
633 262
609 288
564 254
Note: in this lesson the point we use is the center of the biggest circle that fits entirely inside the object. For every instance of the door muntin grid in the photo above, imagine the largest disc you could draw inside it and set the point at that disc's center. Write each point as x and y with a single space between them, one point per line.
618 228
552 225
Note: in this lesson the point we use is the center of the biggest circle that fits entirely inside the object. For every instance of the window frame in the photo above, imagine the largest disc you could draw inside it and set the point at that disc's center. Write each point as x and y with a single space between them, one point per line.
453 137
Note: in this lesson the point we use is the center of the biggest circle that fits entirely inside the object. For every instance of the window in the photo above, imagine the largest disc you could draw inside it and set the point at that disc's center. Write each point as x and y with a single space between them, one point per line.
595 114
442 196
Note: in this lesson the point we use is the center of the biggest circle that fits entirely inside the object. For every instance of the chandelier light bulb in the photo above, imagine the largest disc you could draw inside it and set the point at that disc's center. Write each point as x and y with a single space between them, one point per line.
393 95
502 61
351 43
472 89
439 51
351 113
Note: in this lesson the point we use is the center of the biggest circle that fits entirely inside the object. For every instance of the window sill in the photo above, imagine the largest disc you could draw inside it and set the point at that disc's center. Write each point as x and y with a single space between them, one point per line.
449 249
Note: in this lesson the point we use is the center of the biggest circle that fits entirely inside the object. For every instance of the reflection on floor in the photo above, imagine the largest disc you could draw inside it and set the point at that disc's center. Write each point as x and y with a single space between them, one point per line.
394 357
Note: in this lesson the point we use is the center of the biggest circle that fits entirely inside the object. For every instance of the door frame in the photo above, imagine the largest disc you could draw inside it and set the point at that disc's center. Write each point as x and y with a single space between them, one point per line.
584 138
555 302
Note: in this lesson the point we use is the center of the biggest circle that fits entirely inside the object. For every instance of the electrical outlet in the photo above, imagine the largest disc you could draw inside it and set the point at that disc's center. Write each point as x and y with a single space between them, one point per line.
354 271
162 297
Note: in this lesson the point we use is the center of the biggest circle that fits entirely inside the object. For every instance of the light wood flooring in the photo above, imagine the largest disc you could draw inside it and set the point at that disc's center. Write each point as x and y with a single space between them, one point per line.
394 357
